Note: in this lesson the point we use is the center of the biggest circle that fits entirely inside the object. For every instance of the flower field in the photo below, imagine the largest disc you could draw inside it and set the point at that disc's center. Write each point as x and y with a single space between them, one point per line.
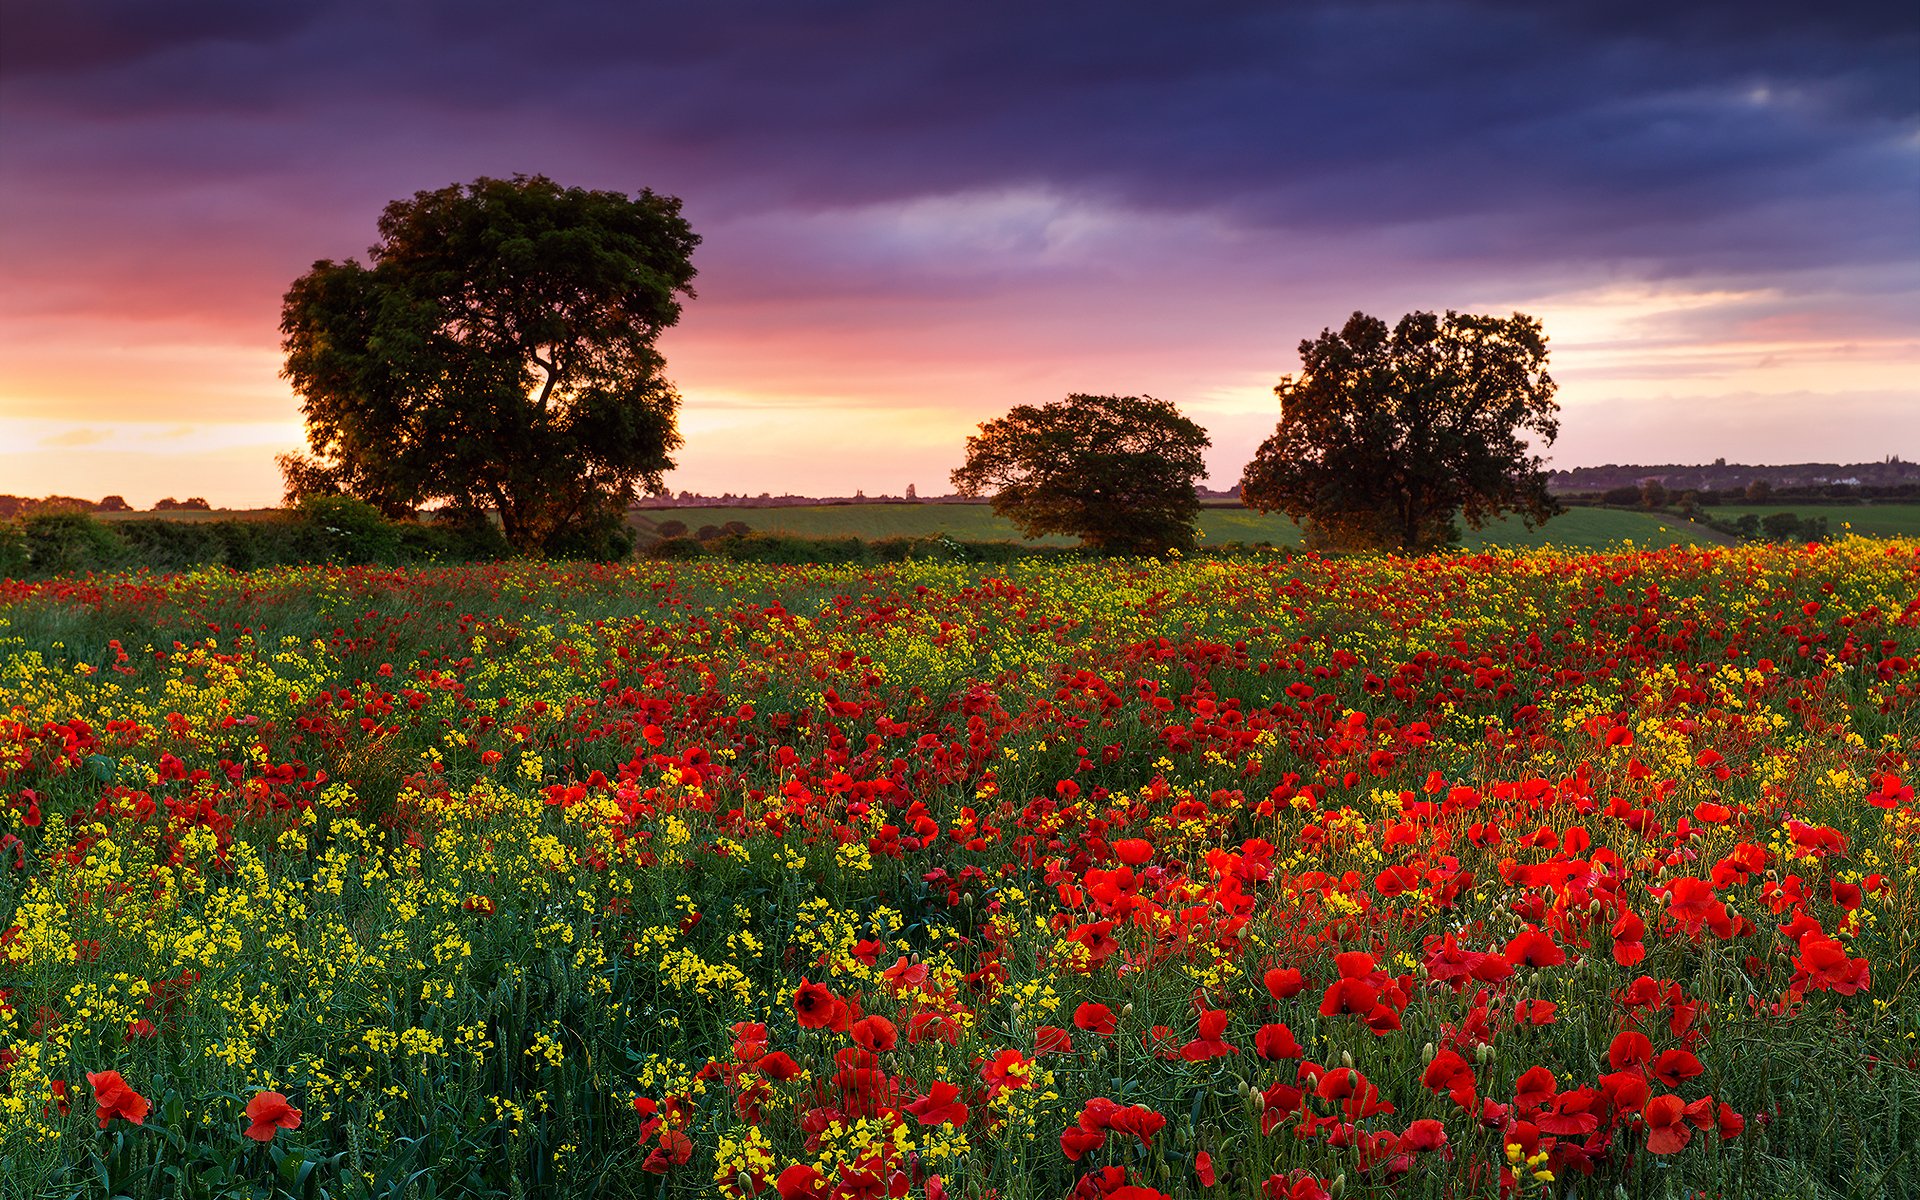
1513 874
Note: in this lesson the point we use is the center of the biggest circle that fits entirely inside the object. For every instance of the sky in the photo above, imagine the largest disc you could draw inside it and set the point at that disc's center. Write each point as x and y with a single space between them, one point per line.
916 215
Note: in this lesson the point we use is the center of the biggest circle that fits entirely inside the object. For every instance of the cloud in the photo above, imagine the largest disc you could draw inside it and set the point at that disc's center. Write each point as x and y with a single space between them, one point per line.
953 208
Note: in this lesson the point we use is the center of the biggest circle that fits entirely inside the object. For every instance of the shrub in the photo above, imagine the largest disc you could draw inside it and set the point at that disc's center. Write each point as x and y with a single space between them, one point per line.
341 529
68 543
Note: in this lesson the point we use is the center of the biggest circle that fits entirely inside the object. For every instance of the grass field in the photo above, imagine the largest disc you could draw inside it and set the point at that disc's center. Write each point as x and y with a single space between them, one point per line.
1870 520
1580 528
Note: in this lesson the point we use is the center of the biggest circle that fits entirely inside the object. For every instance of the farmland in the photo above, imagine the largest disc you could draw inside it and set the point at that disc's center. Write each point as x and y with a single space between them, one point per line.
1520 873
1584 528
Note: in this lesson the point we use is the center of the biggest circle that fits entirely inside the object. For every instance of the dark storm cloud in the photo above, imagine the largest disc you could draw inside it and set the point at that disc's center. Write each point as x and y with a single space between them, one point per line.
1680 136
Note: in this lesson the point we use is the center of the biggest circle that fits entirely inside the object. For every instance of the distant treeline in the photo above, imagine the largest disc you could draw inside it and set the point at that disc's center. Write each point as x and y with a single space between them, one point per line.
344 531
1724 478
330 529
1760 491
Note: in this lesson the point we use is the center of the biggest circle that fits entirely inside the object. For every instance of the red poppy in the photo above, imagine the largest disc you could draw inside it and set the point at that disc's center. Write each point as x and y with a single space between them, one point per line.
777 1066
875 1033
1276 1041
1532 948
1423 1135
1285 982
940 1106
1209 1044
1077 1140
1673 1066
268 1113
1094 1018
1051 1039
674 1150
1667 1129
1449 1073
800 1182
1203 1167
113 1098
819 1008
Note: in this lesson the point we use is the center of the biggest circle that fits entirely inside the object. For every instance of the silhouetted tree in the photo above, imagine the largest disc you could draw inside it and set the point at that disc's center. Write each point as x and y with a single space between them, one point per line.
1115 471
497 352
1389 433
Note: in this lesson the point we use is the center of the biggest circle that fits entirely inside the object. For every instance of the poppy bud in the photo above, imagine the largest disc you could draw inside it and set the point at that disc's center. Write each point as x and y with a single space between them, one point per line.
1346 1059
744 1183
1427 1052
1126 1010
1244 1090
1339 1187
1483 1053
1259 1102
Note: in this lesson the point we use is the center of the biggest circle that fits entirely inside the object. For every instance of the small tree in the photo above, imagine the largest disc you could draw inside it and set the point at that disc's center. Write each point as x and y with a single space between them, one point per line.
498 352
1389 433
1118 472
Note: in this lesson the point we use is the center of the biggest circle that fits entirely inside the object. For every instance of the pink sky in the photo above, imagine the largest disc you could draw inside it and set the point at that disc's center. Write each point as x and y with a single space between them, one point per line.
890 258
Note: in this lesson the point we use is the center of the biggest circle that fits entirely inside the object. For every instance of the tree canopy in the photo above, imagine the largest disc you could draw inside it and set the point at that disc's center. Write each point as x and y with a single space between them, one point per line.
1387 435
497 352
1118 472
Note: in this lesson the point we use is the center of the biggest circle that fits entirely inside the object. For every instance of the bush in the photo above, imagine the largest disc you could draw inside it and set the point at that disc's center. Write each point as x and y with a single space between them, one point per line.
341 529
13 551
172 545
68 543
606 539
677 549
246 545
471 536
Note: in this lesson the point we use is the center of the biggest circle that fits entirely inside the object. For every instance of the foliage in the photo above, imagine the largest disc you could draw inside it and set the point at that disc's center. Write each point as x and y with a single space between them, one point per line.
1113 880
1388 434
67 542
1116 471
498 352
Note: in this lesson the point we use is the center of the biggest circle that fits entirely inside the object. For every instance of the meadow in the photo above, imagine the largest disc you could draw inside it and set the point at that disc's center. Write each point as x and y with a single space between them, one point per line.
1580 528
1523 873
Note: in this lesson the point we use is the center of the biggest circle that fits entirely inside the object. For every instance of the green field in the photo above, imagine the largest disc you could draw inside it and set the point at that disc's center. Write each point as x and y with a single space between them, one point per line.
1580 528
1871 520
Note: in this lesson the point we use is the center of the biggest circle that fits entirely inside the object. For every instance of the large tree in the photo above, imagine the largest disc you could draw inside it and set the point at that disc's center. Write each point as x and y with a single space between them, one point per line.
497 352
1115 471
1388 434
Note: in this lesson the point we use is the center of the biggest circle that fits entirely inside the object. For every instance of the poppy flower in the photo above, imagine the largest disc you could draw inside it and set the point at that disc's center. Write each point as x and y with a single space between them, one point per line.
1203 1168
1284 983
1077 1140
1532 948
1094 1018
1423 1135
818 1008
777 1066
269 1112
1051 1039
113 1098
1209 1044
1276 1041
675 1149
1673 1066
875 1033
1667 1128
940 1106
1449 1073
800 1182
